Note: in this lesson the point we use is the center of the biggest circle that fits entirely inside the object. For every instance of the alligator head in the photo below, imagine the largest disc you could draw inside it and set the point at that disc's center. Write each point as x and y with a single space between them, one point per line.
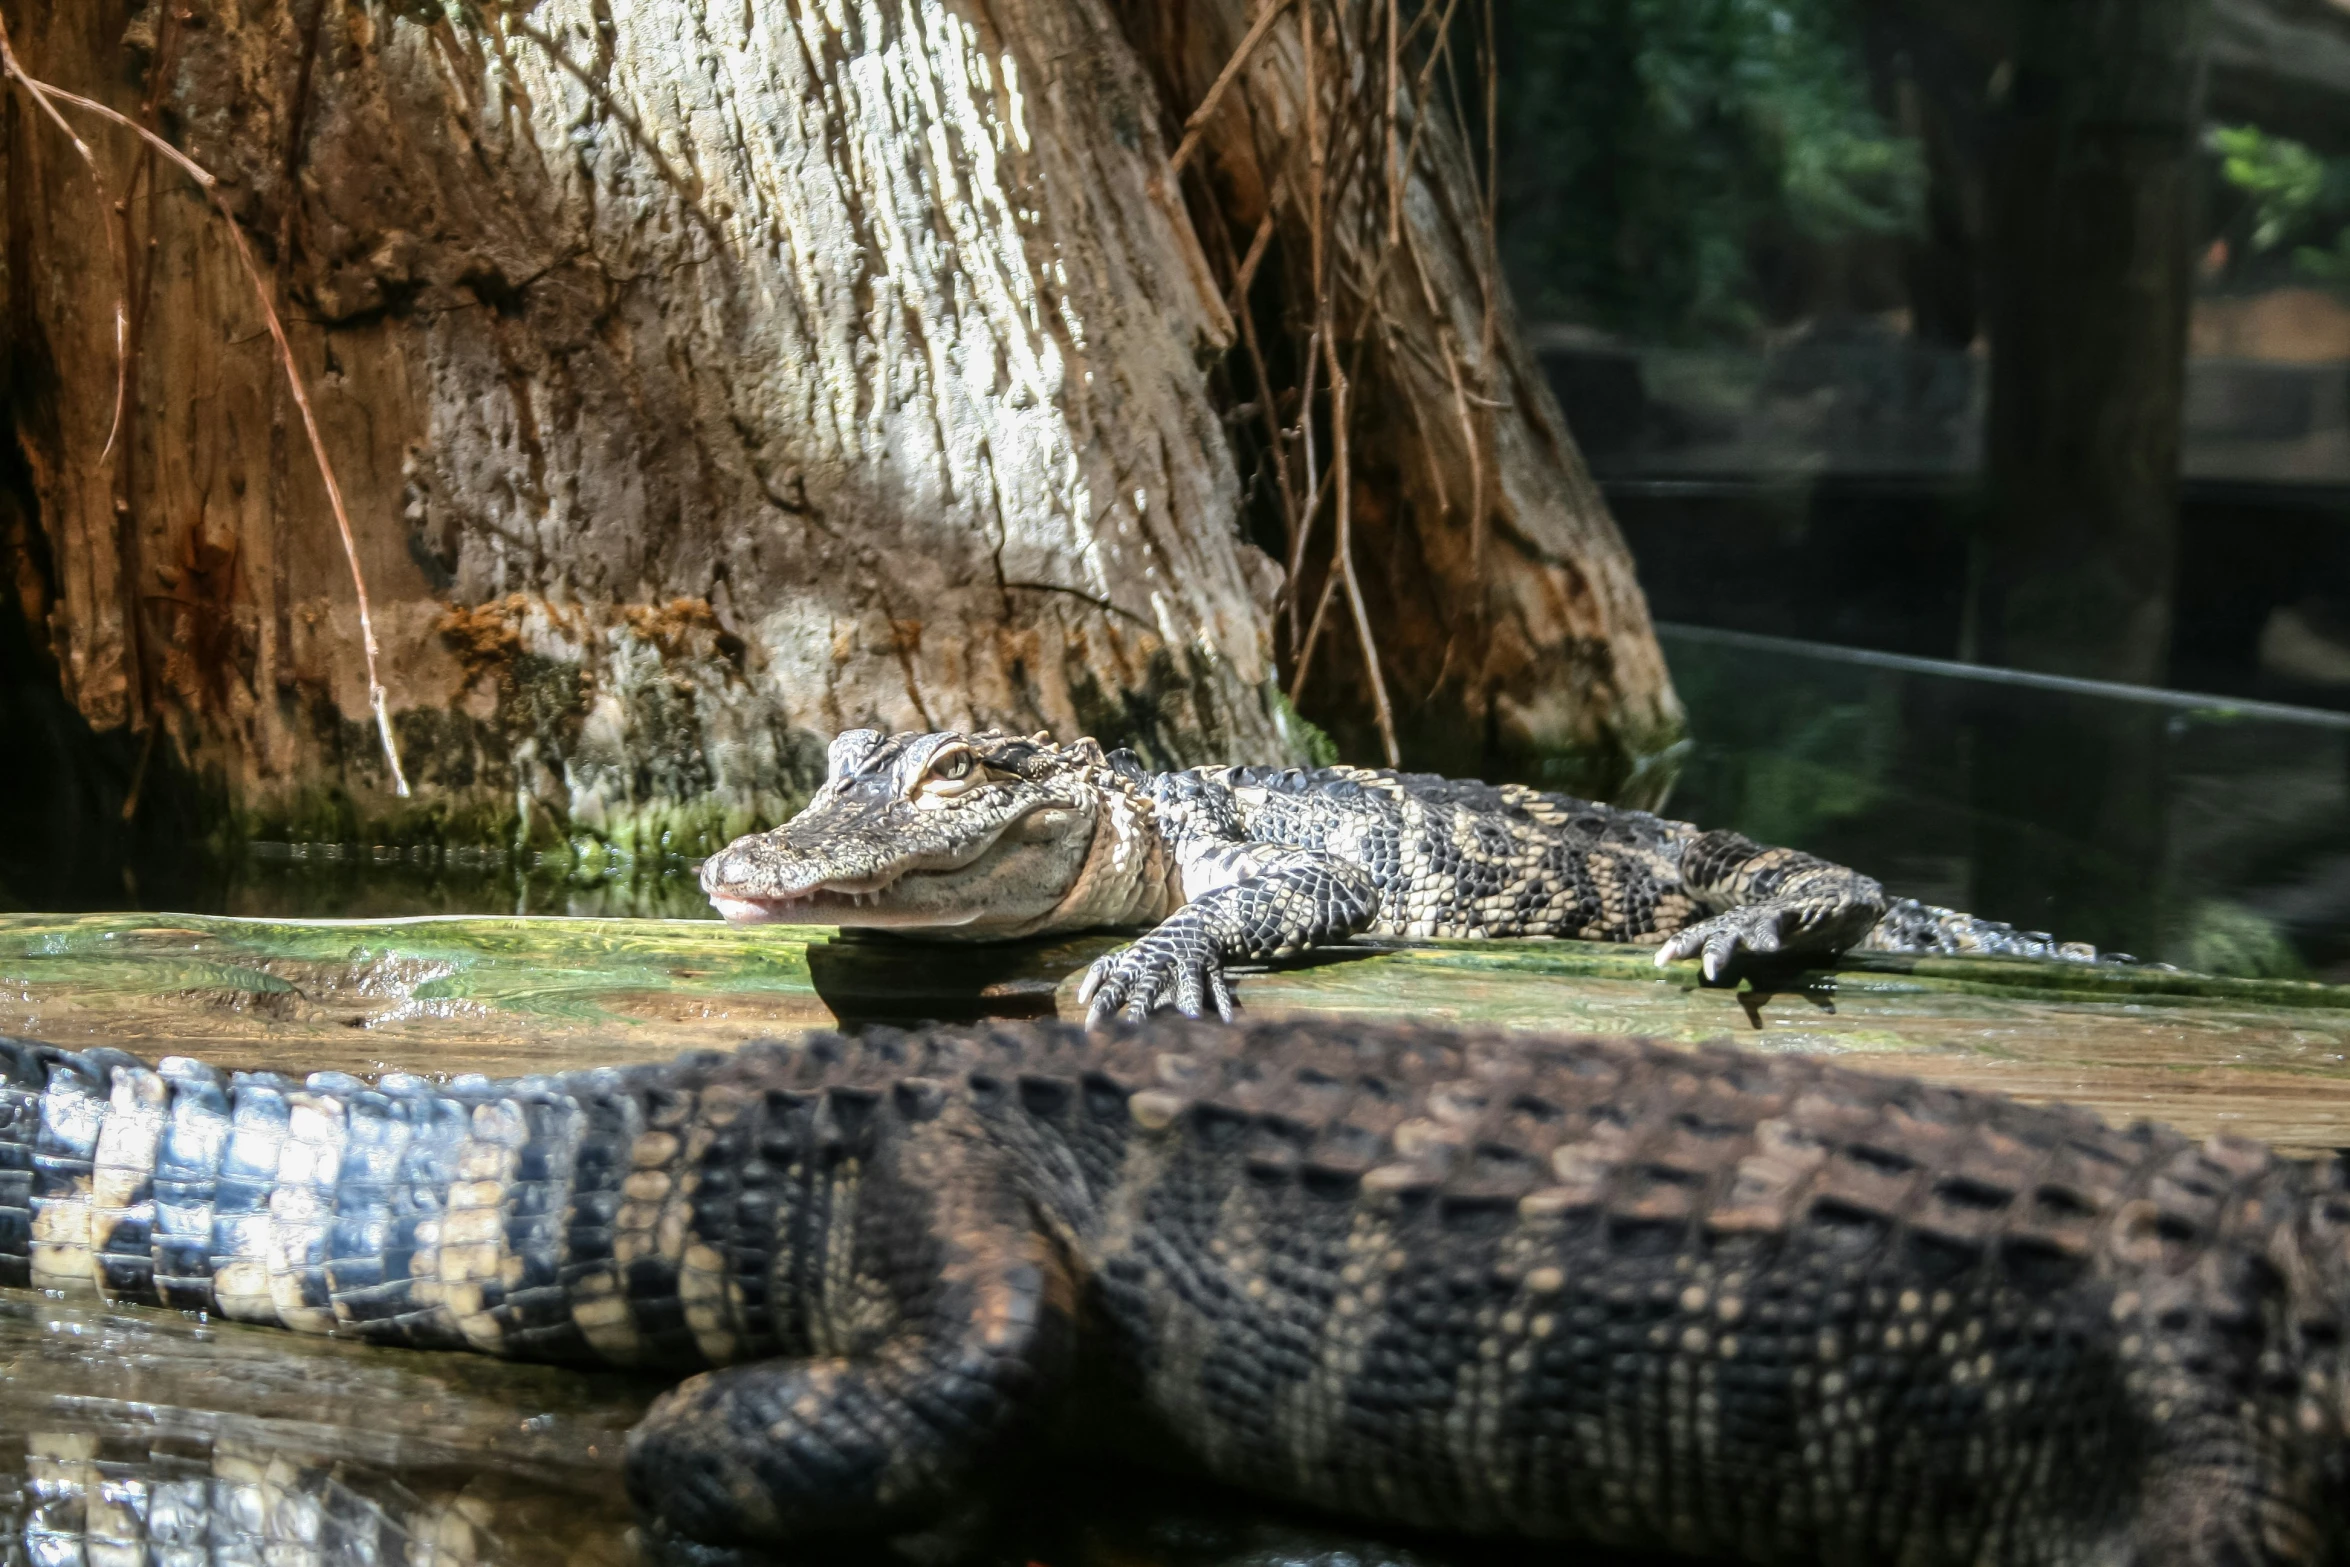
973 835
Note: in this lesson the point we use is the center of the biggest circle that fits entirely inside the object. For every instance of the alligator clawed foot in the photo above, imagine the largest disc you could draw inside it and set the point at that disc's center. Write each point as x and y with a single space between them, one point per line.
1160 970
1756 930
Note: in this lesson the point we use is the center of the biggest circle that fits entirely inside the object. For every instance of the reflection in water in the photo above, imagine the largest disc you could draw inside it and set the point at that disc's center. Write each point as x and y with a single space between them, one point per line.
144 1438
85 1497
132 1437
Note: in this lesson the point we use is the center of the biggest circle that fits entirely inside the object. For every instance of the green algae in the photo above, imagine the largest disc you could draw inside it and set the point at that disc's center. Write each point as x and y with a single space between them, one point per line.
2264 1057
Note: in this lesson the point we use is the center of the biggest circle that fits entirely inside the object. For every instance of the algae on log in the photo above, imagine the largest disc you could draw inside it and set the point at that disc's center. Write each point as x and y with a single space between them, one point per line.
520 995
702 381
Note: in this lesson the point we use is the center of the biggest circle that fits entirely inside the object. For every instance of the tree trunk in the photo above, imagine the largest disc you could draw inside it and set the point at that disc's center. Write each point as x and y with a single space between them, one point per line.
702 380
2090 272
1511 633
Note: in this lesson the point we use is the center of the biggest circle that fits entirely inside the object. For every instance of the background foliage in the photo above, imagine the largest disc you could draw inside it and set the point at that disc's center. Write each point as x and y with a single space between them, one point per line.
1660 139
2291 205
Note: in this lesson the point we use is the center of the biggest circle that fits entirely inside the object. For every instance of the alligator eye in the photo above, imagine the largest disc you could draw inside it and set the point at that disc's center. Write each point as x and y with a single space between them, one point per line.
950 776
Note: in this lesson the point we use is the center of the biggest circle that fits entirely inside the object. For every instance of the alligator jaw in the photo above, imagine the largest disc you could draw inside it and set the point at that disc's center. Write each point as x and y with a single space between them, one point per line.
810 908
829 906
983 855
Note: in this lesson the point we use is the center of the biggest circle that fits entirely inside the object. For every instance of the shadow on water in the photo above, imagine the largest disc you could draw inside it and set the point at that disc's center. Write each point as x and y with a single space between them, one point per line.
871 977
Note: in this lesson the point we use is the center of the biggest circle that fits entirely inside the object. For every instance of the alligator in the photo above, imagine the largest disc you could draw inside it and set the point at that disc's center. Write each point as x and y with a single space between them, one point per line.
989 836
1732 1305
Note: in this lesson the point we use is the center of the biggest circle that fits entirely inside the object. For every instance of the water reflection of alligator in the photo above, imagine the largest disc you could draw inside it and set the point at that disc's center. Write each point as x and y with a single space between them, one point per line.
994 835
1739 1305
83 1498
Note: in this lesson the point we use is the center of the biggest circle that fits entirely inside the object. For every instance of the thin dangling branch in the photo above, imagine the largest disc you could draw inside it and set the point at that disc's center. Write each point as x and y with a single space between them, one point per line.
1206 111
42 93
1367 67
1392 167
1487 345
1343 548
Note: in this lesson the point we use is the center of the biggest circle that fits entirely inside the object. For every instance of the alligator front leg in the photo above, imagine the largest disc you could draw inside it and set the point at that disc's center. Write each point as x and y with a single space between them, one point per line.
946 1355
1772 901
1247 901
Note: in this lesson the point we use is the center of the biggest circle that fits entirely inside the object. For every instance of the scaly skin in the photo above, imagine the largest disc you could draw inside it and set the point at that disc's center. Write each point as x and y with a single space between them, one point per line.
982 836
1741 1306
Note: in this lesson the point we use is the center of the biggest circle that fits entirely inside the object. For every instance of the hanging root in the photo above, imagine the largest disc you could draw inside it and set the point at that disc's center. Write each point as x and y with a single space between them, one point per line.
40 94
1373 74
1207 106
48 96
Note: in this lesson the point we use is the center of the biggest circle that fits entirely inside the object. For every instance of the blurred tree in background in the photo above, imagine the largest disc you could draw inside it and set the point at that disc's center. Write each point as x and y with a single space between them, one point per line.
1652 147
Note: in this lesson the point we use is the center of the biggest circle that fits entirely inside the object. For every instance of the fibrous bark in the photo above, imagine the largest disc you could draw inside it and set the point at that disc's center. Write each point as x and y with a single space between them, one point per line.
1509 626
704 379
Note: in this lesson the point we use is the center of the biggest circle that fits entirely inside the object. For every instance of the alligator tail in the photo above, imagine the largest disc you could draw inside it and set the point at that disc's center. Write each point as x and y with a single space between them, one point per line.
1911 926
462 1214
880 1298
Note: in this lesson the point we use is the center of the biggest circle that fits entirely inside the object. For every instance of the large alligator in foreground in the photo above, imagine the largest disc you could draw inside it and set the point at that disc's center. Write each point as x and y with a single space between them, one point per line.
1733 1305
987 836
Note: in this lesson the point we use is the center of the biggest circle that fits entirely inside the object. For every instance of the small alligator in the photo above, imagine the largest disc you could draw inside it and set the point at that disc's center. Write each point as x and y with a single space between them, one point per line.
1733 1305
988 836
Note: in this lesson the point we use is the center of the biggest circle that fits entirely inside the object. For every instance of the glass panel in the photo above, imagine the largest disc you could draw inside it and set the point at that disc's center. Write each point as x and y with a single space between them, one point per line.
2193 830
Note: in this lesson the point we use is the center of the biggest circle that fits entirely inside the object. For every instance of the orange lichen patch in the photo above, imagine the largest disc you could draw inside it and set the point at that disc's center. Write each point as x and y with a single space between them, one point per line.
682 628
484 636
492 632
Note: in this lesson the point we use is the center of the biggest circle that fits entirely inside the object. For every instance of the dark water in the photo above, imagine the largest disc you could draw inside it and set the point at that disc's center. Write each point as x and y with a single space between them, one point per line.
2198 831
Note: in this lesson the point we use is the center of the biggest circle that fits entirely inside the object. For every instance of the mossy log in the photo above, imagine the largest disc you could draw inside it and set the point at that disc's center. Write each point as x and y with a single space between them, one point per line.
525 995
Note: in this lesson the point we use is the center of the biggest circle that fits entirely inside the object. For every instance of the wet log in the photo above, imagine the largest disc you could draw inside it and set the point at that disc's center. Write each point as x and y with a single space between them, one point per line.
496 1463
536 994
